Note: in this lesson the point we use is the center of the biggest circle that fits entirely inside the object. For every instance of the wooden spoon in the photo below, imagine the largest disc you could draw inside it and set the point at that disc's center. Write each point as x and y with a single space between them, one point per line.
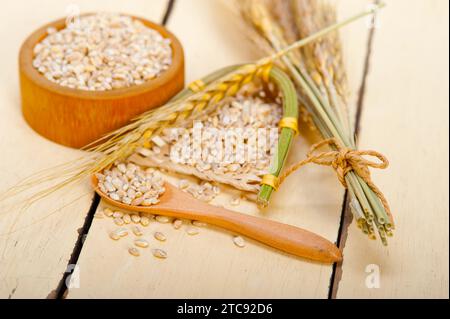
293 240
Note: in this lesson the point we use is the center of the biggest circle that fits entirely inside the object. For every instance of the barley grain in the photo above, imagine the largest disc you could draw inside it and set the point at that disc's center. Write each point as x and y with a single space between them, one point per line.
126 218
108 212
137 201
159 253
239 241
159 236
177 223
192 231
117 214
142 243
183 184
162 219
137 231
114 236
145 221
134 252
135 218
122 232
114 196
119 221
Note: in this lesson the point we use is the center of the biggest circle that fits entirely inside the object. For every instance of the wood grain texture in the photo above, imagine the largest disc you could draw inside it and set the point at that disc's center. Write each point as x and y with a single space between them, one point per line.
406 118
209 265
57 112
33 260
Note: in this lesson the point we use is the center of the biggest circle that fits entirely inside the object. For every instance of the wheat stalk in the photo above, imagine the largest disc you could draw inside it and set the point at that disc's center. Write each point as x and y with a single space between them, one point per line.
317 69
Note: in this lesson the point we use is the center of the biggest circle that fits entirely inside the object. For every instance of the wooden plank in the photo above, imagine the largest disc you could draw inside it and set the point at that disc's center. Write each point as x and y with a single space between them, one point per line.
33 260
209 265
406 118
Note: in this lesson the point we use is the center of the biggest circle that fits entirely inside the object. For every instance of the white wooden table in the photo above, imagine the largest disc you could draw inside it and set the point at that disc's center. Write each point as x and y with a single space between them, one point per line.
398 77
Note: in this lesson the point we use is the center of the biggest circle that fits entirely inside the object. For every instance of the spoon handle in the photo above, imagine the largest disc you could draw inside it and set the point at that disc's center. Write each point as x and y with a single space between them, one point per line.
287 238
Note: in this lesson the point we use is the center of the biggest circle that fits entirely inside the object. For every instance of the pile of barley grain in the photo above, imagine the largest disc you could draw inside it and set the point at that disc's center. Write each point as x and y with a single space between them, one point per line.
246 113
102 52
129 184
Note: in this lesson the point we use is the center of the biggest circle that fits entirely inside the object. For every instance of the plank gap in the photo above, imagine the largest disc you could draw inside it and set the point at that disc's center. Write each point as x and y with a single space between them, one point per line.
346 216
168 13
61 290
343 225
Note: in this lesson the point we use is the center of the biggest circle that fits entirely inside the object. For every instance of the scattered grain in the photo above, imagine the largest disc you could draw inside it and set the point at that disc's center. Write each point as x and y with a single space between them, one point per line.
142 243
159 253
192 231
122 232
159 236
137 231
114 236
134 252
239 241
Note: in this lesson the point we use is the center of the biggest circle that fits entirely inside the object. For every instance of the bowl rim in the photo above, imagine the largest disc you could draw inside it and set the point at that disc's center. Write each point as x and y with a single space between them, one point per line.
26 57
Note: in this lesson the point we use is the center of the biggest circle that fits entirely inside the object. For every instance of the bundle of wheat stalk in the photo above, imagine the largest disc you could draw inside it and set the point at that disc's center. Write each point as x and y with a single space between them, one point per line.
318 72
199 99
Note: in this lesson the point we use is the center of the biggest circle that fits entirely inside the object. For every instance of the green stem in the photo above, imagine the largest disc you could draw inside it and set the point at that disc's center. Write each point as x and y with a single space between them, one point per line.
290 109
375 202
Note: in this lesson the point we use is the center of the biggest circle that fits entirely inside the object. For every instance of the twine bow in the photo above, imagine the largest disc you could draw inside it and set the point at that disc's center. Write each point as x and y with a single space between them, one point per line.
343 160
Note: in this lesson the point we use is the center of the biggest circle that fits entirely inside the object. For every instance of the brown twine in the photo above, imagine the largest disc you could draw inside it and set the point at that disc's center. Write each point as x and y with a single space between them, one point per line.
343 160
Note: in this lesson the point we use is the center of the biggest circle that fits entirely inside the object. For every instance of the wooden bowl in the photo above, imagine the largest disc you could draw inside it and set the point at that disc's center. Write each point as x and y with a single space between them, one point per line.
75 117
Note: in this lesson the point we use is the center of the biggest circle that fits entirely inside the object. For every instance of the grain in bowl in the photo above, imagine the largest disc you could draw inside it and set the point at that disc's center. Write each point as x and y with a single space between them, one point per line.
102 51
